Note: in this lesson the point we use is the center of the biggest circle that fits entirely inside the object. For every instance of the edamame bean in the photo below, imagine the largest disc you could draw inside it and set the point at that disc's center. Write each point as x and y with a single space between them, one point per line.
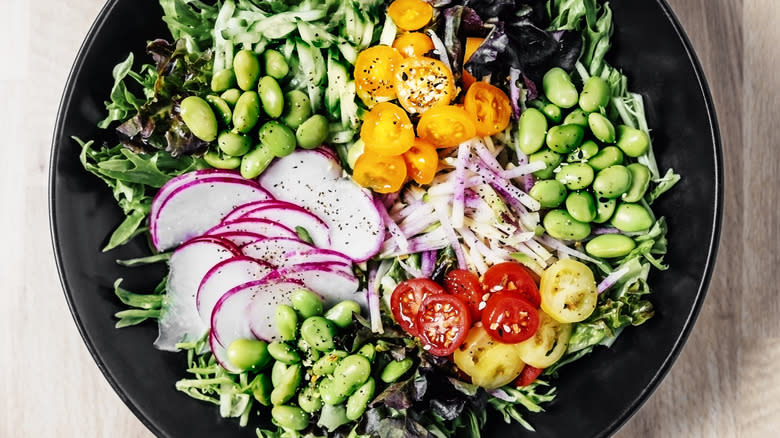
560 225
222 80
261 389
368 351
309 399
576 117
255 162
286 322
221 109
604 209
640 180
248 354
595 94
199 118
312 132
246 112
549 192
231 96
233 143
287 385
612 182
283 352
310 354
217 161
609 246
330 393
246 66
559 89
553 112
601 127
271 96
581 206
633 142
351 372
306 302
358 402
607 156
564 138
575 176
275 64
549 158
327 363
341 313
297 108
394 370
277 371
278 138
318 332
630 217
290 417
588 149
531 130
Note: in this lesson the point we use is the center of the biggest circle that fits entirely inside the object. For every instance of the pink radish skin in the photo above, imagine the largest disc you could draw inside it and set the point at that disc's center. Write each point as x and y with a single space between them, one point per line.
180 319
263 227
293 216
194 207
277 251
333 282
225 276
249 206
187 178
239 238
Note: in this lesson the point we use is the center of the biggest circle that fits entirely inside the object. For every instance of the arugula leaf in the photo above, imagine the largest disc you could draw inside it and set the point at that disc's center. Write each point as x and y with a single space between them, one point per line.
123 102
142 306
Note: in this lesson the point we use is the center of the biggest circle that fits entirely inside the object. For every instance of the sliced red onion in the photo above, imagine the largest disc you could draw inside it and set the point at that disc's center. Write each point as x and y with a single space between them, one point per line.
487 157
392 227
561 247
449 231
522 170
611 279
411 270
427 263
514 196
597 231
457 194
515 92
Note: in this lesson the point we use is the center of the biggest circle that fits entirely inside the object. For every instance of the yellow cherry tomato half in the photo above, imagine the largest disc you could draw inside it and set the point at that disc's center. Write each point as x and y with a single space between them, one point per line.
568 291
387 130
380 173
375 74
410 14
422 161
490 106
547 345
413 44
422 83
446 126
489 363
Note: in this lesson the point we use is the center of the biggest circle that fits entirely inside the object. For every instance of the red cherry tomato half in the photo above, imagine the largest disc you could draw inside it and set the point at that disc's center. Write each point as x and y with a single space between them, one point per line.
512 276
465 285
509 318
528 375
443 322
407 298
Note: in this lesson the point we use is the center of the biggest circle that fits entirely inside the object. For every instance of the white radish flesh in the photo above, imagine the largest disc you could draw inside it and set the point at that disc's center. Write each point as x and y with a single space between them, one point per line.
263 307
239 238
279 251
333 282
223 277
293 216
263 227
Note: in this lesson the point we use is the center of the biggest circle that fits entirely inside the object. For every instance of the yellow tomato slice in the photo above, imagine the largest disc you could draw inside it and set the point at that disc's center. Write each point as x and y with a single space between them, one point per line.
490 106
422 83
413 44
410 14
489 363
375 74
446 126
422 161
387 130
547 345
568 291
382 174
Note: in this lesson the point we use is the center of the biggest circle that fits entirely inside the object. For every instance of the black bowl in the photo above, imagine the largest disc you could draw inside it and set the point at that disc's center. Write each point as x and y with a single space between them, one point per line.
596 394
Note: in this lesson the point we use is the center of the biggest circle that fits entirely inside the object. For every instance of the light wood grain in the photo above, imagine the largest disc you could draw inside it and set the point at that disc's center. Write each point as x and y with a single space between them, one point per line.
724 384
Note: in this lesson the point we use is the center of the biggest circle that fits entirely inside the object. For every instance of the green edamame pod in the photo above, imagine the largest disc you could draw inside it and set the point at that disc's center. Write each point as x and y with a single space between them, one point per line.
609 246
297 108
581 206
559 89
595 94
283 352
394 370
248 354
607 156
368 351
585 152
601 127
271 96
221 109
199 118
290 417
278 138
327 363
309 399
576 117
640 181
246 66
222 80
234 144
612 182
575 176
287 385
255 162
275 64
551 160
261 389
560 225
350 373
550 193
531 131
231 96
564 138
217 161
286 322
633 142
604 209
358 401
553 112
318 332
312 132
246 113
630 217
306 302
341 313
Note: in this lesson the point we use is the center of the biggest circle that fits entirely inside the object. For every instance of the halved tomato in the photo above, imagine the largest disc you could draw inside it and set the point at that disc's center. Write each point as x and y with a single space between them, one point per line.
380 173
422 83
446 126
407 298
465 285
528 376
443 321
422 161
489 363
375 74
490 106
410 14
387 130
548 344
472 44
509 318
413 44
513 277
568 291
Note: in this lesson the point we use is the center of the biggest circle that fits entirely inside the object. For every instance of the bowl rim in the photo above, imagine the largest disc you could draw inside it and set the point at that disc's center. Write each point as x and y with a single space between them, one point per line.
620 420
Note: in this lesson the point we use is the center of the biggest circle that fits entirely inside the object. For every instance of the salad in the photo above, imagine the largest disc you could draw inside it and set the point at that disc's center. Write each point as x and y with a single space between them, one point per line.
382 218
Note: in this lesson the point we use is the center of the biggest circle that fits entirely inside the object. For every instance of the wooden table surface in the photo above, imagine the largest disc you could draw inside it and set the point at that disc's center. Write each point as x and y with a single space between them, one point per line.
726 382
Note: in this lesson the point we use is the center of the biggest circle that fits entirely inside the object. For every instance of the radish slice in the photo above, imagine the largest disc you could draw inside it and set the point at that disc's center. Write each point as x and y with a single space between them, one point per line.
318 255
313 180
220 354
224 276
186 178
239 238
293 216
263 227
249 206
264 301
180 320
181 215
278 251
333 282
